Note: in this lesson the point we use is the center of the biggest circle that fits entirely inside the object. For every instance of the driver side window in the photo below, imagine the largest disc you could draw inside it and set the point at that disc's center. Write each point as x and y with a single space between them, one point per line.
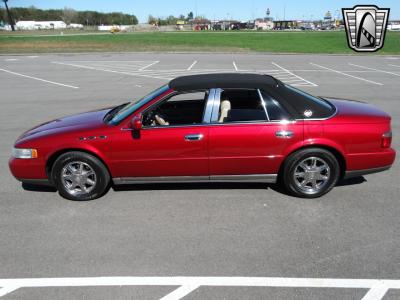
179 109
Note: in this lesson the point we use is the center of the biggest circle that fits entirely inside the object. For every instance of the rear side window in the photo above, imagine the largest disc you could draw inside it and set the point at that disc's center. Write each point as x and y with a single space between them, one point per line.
241 105
275 110
306 105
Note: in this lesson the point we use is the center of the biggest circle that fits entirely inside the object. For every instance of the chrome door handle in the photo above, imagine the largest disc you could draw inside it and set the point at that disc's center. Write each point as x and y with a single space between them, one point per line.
284 134
194 137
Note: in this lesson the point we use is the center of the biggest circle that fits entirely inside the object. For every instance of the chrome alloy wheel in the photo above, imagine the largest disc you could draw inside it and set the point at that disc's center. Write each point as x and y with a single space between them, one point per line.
311 174
78 178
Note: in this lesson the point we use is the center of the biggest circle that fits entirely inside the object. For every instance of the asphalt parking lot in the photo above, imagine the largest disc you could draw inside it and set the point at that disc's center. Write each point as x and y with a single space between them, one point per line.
218 238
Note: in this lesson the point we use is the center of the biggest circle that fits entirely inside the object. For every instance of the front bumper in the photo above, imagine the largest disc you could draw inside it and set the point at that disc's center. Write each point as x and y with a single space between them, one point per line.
28 169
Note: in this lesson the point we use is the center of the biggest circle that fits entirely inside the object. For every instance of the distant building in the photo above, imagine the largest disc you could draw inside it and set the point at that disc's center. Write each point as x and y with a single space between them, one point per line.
393 25
75 26
264 24
114 28
37 25
283 25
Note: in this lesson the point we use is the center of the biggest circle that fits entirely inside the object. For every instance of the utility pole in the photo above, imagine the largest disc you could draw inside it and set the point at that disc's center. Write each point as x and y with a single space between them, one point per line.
284 12
10 19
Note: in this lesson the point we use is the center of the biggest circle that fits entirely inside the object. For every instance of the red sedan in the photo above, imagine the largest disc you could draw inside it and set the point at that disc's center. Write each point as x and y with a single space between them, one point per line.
210 127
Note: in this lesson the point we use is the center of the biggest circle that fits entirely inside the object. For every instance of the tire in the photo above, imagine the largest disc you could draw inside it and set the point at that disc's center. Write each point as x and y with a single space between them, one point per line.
310 173
80 176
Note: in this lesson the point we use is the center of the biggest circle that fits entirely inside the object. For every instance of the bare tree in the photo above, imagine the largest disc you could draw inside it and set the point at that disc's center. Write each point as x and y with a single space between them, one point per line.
69 15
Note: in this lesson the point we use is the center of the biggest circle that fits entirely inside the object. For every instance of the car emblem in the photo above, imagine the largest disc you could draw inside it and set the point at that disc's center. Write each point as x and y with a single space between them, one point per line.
308 113
365 27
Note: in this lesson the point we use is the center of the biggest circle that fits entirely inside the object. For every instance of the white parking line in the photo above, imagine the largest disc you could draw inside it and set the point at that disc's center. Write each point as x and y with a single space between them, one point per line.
368 68
11 59
342 73
106 70
180 292
39 79
291 73
235 66
377 288
394 65
149 65
192 65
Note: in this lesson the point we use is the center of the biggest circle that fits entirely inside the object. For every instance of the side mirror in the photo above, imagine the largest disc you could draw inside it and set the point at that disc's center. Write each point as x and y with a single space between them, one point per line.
136 123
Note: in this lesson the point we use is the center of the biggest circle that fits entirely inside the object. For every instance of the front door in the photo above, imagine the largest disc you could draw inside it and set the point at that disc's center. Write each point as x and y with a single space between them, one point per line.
173 141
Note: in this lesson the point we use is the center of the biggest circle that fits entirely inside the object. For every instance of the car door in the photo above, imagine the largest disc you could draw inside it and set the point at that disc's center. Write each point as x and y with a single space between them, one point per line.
245 140
179 147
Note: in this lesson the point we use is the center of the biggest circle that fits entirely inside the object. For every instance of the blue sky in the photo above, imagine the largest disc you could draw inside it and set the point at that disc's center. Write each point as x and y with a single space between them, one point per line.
218 9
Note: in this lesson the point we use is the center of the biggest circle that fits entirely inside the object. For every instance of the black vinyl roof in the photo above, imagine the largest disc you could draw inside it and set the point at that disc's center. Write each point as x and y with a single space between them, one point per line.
221 80
296 102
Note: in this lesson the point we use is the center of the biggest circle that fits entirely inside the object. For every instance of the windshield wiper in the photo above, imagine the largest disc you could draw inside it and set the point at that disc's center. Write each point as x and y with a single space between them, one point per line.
113 112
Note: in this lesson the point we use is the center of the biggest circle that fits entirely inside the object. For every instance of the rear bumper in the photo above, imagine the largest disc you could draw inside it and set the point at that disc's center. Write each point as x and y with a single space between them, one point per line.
374 160
358 173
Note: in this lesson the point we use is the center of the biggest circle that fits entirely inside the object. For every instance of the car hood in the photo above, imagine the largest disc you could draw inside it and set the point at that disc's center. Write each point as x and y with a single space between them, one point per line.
86 120
353 111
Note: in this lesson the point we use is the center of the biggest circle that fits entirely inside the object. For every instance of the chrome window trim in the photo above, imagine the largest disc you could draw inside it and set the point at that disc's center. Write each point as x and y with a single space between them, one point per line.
282 122
209 106
217 104
263 104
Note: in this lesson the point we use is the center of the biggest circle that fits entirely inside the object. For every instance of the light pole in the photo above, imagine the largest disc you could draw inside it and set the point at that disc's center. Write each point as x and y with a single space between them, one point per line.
10 19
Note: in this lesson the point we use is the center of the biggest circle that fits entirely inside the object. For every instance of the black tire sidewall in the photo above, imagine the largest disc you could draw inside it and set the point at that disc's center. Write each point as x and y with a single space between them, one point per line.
296 157
102 175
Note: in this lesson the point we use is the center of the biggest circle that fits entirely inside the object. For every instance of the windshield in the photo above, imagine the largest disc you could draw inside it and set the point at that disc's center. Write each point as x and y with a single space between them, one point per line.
134 105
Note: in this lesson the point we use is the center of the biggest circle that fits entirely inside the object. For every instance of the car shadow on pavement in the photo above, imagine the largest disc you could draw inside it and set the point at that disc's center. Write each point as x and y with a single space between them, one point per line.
194 186
218 185
352 181
38 188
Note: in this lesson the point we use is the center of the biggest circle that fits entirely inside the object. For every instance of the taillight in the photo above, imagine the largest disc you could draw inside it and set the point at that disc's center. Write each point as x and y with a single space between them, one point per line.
386 140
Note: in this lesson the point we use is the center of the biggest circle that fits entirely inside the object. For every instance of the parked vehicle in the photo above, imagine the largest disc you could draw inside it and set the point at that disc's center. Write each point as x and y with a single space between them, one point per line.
210 127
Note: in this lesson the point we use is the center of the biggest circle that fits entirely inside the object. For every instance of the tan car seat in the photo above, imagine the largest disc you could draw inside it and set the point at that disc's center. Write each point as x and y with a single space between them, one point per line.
224 109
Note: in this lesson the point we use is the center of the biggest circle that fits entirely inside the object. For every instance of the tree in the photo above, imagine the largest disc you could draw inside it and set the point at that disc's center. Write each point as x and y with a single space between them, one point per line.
69 15
190 16
151 20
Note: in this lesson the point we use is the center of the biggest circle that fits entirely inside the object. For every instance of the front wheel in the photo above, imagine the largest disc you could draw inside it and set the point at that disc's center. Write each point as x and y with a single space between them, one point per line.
310 173
80 176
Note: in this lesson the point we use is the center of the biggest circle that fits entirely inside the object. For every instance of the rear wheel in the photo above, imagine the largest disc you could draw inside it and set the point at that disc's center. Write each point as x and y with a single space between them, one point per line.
310 173
80 176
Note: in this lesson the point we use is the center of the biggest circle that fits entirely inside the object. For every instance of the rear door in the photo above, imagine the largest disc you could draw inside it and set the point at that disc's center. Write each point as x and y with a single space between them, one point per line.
250 134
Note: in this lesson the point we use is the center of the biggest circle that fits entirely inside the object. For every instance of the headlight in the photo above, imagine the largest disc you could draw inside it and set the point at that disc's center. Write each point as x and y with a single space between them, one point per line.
24 153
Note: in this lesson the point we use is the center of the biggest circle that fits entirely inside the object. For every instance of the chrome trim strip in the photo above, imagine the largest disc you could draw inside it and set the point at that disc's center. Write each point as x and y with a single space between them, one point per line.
268 178
357 173
282 122
133 180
